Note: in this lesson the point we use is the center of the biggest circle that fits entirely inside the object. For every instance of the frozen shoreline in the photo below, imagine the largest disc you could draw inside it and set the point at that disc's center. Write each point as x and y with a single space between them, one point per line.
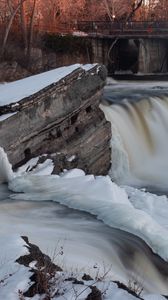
88 244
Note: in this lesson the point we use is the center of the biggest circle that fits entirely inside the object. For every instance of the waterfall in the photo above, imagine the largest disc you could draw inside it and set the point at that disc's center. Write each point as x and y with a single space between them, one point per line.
6 172
139 141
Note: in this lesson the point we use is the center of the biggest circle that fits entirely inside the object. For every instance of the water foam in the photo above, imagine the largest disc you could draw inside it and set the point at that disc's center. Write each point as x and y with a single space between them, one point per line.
139 141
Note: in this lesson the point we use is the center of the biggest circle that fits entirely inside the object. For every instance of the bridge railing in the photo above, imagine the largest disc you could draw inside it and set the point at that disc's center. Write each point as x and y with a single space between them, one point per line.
115 26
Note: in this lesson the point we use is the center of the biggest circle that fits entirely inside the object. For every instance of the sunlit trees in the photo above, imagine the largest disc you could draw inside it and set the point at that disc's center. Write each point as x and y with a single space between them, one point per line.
42 15
48 15
117 9
23 13
72 9
158 10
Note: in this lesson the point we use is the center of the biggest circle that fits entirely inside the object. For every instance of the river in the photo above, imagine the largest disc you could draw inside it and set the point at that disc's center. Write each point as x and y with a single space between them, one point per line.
138 113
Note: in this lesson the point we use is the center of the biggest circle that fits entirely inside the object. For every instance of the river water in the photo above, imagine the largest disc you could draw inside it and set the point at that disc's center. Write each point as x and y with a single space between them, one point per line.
138 113
139 118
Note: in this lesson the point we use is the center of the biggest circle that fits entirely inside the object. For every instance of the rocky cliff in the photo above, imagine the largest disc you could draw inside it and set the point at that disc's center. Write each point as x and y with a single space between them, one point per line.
62 120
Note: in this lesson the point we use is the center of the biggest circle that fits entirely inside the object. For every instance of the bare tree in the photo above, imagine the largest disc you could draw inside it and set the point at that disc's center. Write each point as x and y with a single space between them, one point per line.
31 30
129 9
12 13
24 25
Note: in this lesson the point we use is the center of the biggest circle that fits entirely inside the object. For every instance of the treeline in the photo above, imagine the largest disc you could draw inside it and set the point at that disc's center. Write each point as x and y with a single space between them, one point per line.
27 17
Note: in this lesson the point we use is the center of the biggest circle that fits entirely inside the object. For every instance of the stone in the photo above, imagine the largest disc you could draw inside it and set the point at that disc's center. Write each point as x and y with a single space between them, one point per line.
95 294
62 118
87 277
42 272
152 56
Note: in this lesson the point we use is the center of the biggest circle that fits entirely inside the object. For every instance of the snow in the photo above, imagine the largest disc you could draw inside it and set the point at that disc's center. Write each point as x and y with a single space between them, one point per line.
6 116
114 205
17 90
135 211
13 277
33 167
79 33
126 208
44 168
27 166
110 291
88 67
71 158
153 297
72 173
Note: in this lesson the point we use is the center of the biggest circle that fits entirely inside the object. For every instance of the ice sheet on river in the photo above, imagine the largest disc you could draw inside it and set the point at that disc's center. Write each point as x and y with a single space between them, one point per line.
132 210
115 206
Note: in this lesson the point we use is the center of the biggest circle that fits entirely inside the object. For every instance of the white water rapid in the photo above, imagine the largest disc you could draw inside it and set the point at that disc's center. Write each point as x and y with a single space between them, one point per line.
139 119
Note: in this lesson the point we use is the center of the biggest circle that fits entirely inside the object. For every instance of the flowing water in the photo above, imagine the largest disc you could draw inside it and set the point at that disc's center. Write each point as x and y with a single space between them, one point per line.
139 118
88 245
138 113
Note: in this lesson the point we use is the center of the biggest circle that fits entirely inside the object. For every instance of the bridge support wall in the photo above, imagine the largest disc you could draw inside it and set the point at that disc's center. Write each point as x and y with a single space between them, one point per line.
152 56
100 48
148 55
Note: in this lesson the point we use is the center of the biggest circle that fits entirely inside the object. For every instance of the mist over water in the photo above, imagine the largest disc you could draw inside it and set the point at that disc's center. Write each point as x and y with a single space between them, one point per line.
139 119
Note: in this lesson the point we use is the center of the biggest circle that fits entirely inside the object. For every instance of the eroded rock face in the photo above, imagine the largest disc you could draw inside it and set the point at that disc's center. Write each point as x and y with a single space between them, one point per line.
62 118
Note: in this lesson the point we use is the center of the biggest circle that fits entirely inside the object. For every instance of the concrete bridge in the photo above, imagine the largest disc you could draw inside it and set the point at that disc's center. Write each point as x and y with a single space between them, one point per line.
138 46
131 29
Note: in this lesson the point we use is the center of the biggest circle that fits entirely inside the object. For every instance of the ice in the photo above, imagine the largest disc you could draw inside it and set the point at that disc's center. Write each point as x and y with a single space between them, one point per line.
72 173
153 297
79 33
6 173
27 166
44 168
115 206
71 158
101 197
15 278
125 208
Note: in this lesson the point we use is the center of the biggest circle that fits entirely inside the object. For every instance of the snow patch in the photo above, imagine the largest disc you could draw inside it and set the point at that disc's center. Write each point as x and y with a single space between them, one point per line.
6 116
17 90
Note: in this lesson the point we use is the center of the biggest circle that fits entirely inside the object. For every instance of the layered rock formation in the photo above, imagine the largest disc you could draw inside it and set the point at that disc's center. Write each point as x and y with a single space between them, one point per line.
61 120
